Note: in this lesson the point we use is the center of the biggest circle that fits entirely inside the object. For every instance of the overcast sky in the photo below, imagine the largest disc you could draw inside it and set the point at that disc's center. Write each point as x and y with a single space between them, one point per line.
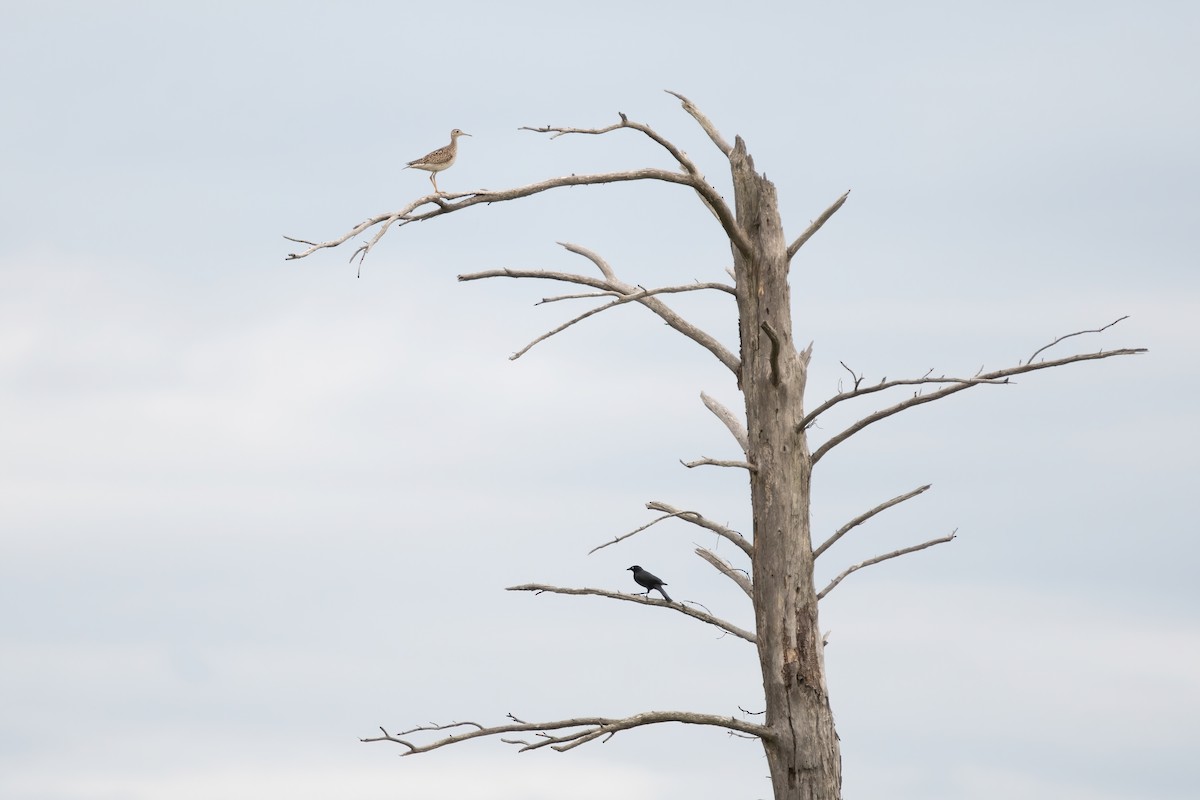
252 509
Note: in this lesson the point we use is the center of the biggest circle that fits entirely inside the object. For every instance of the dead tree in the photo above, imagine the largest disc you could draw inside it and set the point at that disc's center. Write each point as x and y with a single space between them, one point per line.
797 729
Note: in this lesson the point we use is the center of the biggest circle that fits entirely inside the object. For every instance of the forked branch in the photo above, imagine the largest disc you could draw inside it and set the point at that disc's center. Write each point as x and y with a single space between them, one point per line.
608 282
879 559
698 519
728 627
859 390
567 733
959 384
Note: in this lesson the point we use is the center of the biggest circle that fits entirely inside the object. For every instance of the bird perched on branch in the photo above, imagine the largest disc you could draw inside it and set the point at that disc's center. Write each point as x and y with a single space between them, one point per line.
649 582
440 159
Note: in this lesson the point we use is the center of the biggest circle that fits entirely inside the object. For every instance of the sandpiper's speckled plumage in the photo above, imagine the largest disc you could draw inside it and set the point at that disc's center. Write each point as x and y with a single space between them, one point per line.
440 159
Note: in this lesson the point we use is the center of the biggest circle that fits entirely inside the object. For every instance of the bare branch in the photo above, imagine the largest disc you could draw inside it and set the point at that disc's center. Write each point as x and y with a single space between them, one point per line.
566 277
858 379
447 203
625 293
635 531
735 425
708 195
996 376
716 462
644 600
861 518
595 258
581 296
705 123
697 519
884 557
1069 335
738 576
687 287
885 384
816 224
621 300
577 731
665 312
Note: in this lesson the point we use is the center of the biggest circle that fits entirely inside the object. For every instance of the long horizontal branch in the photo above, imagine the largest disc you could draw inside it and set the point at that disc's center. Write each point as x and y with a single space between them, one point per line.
815 225
698 519
861 518
450 202
728 627
683 287
878 559
984 378
589 729
705 461
738 576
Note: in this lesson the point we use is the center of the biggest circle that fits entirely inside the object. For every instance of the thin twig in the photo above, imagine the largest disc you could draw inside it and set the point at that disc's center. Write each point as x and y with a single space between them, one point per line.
732 422
635 531
1076 333
621 300
687 287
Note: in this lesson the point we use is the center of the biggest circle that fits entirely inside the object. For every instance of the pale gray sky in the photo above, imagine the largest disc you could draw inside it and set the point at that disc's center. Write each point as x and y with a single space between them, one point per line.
251 509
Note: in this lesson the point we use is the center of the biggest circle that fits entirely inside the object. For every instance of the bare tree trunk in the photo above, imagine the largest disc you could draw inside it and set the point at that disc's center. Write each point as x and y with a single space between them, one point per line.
802 747
798 733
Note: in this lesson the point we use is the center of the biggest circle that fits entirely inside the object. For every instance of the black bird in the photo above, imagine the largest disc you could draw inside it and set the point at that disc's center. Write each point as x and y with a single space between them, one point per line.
649 582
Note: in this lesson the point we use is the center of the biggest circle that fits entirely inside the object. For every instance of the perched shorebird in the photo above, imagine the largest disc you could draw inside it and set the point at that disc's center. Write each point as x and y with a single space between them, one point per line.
440 159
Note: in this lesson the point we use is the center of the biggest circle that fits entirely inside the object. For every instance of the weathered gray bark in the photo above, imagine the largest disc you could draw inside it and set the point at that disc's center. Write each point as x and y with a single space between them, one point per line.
802 748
